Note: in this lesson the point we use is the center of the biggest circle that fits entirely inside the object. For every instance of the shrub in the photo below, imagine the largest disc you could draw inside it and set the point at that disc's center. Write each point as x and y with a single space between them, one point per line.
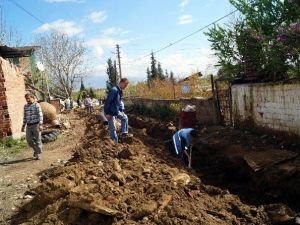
158 111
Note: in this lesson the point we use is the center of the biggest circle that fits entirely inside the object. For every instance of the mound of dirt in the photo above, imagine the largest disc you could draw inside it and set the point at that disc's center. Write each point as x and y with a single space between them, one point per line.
134 183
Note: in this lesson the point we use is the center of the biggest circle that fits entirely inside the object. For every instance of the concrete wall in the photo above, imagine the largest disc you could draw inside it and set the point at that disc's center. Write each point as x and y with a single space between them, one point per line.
12 91
269 106
206 110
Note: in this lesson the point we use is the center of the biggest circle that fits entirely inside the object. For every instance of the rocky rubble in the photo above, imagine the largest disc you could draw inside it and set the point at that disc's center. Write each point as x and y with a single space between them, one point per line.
134 183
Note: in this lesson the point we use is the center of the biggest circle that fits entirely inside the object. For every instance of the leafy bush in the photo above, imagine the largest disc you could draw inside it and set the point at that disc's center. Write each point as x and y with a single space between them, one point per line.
12 145
157 111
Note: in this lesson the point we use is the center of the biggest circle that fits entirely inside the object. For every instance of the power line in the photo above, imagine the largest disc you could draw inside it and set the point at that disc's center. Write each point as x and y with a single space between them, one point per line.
25 10
187 36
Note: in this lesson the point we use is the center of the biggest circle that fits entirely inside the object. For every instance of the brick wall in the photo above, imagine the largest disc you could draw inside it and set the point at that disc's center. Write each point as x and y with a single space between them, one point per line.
205 108
268 106
12 91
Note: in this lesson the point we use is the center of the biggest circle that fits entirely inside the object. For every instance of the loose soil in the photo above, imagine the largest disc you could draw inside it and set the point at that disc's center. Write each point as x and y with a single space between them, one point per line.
139 182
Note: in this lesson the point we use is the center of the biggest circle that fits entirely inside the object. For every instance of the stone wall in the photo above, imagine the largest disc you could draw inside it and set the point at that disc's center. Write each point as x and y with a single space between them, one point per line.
267 106
12 91
206 110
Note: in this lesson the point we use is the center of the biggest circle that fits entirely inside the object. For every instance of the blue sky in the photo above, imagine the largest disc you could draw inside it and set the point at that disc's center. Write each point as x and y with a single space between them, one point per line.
138 26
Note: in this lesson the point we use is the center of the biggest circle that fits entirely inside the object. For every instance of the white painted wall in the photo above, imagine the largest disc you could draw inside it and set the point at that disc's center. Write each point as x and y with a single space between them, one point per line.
273 106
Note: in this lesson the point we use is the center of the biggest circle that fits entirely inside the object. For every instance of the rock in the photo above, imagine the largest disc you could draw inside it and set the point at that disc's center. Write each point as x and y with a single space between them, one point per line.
28 197
182 178
144 131
94 206
279 213
146 170
94 177
165 200
172 129
211 190
145 209
67 125
126 154
118 177
117 166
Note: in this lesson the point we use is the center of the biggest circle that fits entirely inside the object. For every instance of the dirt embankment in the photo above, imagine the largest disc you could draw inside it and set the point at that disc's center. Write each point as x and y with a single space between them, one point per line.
135 182
261 169
20 172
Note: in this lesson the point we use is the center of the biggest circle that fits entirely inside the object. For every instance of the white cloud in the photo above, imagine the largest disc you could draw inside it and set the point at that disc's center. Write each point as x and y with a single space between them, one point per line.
67 27
99 70
111 31
183 3
181 64
61 1
98 16
102 44
185 19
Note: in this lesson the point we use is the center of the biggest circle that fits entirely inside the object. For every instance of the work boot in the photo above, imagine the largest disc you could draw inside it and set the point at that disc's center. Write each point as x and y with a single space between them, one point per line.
125 135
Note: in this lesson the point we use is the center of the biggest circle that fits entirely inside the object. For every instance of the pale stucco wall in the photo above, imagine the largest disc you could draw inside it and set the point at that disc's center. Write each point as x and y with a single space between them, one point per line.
14 91
273 106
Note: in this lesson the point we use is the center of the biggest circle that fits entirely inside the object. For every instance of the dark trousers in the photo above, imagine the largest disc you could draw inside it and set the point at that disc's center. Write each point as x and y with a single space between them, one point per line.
170 146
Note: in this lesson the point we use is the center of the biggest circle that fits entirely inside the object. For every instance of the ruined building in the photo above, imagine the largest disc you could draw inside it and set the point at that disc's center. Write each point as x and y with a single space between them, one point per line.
14 62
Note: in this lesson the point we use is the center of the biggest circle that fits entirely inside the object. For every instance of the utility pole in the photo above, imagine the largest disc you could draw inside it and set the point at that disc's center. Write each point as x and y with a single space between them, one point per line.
119 61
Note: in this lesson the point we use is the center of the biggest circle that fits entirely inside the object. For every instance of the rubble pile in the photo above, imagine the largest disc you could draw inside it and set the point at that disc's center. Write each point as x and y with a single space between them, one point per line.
134 183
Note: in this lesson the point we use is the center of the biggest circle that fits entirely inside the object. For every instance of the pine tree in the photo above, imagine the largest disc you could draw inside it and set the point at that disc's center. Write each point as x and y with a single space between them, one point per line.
92 93
154 73
112 77
148 76
172 76
81 90
160 72
166 75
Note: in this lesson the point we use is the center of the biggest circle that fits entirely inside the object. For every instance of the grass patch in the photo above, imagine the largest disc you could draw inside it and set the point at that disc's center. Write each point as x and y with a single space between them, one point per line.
11 146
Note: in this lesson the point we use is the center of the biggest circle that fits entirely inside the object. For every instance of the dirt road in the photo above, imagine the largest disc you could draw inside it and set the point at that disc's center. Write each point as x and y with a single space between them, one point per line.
21 173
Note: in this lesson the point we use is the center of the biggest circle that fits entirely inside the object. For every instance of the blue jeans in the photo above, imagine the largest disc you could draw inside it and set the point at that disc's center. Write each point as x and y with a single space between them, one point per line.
112 128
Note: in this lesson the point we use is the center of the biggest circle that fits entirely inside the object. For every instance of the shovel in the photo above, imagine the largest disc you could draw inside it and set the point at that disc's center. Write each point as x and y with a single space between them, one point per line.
190 157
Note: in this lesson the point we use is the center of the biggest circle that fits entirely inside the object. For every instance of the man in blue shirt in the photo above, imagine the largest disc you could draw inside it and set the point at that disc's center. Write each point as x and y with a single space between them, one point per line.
112 109
182 143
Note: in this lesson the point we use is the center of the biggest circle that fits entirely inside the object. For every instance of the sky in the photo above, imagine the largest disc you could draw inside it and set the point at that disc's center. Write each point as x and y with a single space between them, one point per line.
138 26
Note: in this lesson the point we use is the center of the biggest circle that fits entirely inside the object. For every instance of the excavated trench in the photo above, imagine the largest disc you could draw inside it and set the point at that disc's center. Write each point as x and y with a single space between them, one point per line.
254 167
137 182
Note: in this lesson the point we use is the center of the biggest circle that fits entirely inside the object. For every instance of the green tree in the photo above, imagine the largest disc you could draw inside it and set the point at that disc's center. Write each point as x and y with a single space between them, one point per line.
148 76
172 76
166 74
82 88
112 74
154 72
160 72
92 93
255 44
